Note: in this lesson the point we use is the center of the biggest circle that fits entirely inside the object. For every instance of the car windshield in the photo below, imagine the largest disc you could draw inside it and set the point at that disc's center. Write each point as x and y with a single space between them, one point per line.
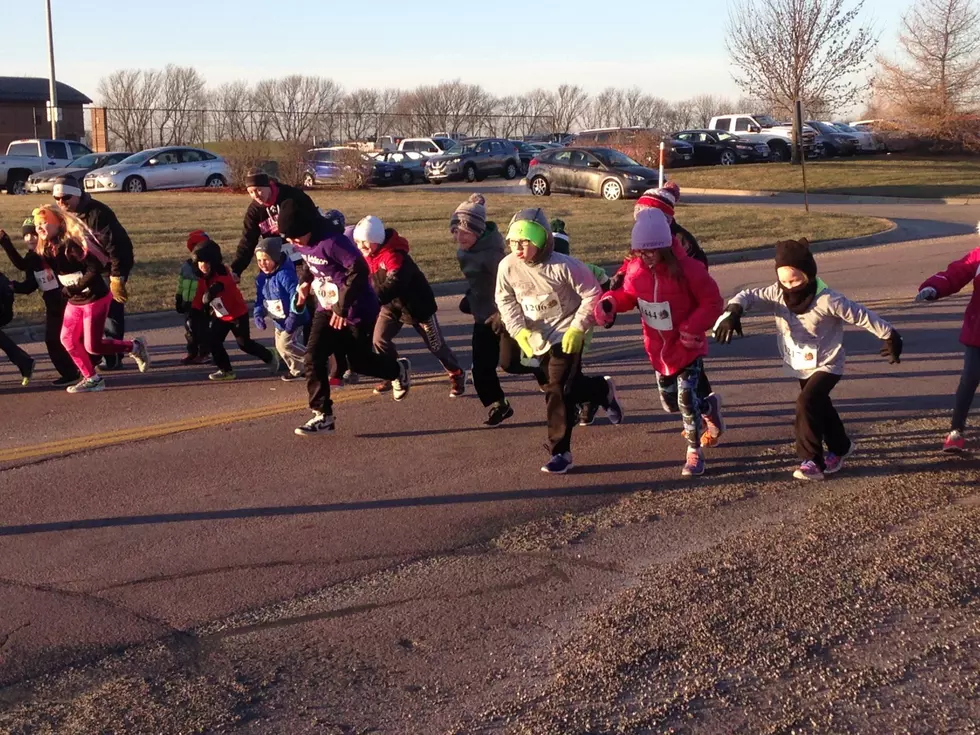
461 148
86 161
845 128
766 121
138 158
728 136
822 127
614 158
443 143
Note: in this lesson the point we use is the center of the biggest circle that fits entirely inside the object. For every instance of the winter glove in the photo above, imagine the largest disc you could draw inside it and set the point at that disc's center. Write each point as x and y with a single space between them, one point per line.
464 305
892 348
259 322
604 313
572 341
118 287
523 339
691 341
927 294
496 323
179 304
289 325
729 324
616 282
212 293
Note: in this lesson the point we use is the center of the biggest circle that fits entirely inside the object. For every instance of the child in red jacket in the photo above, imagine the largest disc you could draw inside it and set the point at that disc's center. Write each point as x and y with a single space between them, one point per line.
218 292
947 283
678 302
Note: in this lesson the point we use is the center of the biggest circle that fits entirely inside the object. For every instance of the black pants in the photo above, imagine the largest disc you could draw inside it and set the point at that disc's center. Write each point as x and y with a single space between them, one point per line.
54 314
565 390
352 342
967 388
115 328
389 324
817 421
196 328
17 356
239 328
491 350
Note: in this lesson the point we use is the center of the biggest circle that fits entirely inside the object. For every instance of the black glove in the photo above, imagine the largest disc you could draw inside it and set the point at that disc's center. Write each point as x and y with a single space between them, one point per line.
212 293
892 348
496 324
609 309
464 305
729 325
179 304
616 282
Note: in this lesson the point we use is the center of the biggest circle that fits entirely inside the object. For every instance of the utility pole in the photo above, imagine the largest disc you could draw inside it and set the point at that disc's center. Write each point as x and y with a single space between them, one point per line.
53 90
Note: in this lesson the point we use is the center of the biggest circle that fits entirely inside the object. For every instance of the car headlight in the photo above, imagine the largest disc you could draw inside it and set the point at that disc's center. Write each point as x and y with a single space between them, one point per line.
634 177
456 160
112 172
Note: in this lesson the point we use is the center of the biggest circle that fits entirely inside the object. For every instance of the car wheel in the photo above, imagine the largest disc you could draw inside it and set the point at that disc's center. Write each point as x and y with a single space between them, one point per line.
215 181
407 177
728 158
134 185
829 151
469 173
779 151
511 170
540 187
17 187
309 181
612 190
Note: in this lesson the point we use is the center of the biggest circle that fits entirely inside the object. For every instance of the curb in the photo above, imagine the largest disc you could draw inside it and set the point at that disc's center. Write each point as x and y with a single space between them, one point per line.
855 198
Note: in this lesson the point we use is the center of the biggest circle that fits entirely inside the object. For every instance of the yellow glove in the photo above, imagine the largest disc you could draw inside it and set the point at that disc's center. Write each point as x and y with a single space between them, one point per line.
523 339
572 341
118 287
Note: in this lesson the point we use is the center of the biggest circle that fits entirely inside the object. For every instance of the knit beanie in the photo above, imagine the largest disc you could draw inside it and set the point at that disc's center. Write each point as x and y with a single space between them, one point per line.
471 215
370 229
295 220
271 246
207 252
335 217
533 215
664 199
196 238
651 231
256 177
796 253
28 228
66 185
561 237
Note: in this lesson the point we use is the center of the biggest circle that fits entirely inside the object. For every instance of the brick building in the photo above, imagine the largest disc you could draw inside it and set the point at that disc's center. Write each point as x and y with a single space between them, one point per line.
23 105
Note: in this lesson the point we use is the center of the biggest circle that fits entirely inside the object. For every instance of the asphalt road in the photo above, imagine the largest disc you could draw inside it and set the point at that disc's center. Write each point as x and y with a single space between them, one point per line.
174 559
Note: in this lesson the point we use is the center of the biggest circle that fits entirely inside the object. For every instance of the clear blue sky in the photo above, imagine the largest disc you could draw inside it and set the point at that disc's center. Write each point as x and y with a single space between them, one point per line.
671 48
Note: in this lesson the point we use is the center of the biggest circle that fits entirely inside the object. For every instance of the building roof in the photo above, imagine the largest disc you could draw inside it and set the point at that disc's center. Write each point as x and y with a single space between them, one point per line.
35 89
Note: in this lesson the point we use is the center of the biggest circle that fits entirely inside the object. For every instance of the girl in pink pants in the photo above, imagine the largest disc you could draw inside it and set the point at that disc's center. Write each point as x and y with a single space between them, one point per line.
71 252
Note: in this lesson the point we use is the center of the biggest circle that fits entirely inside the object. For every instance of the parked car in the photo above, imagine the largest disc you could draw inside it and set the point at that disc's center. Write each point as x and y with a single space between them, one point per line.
868 142
526 151
171 167
835 143
410 165
473 160
764 129
330 165
639 143
26 157
717 147
602 172
388 143
427 146
43 182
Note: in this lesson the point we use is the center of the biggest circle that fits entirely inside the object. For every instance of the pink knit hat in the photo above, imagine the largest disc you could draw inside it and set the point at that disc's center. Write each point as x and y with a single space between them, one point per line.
651 231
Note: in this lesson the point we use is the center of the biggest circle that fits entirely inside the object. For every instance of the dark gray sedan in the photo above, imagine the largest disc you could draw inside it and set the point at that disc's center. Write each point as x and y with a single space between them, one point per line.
44 181
602 172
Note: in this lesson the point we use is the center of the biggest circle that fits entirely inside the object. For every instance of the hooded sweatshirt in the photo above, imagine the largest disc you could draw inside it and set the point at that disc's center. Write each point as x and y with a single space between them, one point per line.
553 294
952 280
262 220
479 266
397 279
112 236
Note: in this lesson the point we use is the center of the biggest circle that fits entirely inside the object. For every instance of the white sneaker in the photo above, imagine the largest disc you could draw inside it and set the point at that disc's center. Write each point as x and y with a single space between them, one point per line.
140 354
319 423
88 385
401 384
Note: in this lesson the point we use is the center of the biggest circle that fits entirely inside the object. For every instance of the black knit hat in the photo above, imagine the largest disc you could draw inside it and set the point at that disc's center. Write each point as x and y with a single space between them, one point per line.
562 242
207 252
295 220
796 253
257 177
28 228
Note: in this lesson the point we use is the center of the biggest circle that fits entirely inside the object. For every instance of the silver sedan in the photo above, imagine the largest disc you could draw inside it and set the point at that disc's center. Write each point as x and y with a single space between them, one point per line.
172 167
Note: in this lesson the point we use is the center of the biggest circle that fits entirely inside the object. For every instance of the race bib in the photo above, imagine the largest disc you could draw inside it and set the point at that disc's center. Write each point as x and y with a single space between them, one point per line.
545 307
327 293
46 279
275 309
799 358
70 279
218 307
656 314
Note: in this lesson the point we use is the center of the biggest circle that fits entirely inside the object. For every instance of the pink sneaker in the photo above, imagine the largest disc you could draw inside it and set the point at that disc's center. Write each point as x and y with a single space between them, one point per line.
955 443
808 471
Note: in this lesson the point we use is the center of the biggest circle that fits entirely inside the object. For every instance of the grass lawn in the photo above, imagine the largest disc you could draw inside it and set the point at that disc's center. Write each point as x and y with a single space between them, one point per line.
599 230
877 176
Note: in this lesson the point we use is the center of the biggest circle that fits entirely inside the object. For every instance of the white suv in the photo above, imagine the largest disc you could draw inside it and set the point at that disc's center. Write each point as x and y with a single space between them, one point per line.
427 146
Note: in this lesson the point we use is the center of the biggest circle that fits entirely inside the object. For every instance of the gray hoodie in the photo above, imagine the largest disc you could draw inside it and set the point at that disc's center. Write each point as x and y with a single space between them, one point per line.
813 341
479 266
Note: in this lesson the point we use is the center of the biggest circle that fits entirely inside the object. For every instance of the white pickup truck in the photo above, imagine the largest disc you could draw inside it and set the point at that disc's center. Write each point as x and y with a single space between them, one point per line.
26 157
764 129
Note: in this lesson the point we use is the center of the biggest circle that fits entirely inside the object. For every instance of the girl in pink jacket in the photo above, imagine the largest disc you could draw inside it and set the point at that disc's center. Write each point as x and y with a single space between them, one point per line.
678 302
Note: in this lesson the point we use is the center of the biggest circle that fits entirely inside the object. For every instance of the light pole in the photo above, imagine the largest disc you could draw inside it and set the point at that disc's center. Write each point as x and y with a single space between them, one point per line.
53 90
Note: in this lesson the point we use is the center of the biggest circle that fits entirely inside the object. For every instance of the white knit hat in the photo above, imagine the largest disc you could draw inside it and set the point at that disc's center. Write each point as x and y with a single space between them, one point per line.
370 229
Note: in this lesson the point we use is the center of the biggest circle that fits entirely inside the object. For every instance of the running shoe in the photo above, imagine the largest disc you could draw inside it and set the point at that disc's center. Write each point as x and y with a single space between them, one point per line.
694 464
140 355
222 375
586 413
614 410
559 464
293 377
319 423
499 412
88 385
63 381
955 443
26 375
457 384
337 383
195 360
833 462
351 378
401 384
714 421
382 388
808 471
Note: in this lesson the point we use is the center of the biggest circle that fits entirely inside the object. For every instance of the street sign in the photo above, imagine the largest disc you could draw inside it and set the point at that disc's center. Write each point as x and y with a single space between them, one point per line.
58 114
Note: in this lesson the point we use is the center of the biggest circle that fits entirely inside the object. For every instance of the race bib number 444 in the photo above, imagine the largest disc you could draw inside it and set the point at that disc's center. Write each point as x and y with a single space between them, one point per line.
656 315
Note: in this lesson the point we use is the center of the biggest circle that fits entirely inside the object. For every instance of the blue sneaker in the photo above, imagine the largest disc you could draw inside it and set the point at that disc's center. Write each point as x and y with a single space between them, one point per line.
559 464
614 410
694 466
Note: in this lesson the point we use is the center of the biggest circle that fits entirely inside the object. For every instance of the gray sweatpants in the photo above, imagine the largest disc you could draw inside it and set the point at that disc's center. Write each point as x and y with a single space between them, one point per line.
290 347
967 389
389 324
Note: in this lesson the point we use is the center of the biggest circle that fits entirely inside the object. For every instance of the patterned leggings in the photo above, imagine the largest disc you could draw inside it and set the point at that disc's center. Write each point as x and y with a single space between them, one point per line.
682 389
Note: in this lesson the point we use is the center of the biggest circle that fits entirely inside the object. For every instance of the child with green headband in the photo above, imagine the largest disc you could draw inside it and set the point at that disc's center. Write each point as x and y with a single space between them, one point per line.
545 301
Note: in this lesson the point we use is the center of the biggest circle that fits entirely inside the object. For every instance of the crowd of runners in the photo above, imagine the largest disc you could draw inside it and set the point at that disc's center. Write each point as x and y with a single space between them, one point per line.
336 295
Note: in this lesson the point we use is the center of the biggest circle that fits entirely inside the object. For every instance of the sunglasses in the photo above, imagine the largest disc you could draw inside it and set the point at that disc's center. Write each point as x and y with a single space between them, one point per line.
64 198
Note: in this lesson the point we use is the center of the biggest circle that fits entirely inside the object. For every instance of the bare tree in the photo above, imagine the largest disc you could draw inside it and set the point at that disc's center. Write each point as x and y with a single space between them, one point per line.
360 114
565 106
706 106
388 100
129 96
180 106
299 107
232 108
812 50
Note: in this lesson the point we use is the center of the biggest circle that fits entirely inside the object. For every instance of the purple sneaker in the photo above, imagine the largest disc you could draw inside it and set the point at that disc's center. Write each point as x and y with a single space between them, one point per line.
808 471
833 462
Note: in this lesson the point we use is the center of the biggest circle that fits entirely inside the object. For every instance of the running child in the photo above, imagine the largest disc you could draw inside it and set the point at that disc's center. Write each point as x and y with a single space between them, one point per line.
218 293
405 297
23 361
678 302
546 301
951 281
275 297
810 319
196 321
